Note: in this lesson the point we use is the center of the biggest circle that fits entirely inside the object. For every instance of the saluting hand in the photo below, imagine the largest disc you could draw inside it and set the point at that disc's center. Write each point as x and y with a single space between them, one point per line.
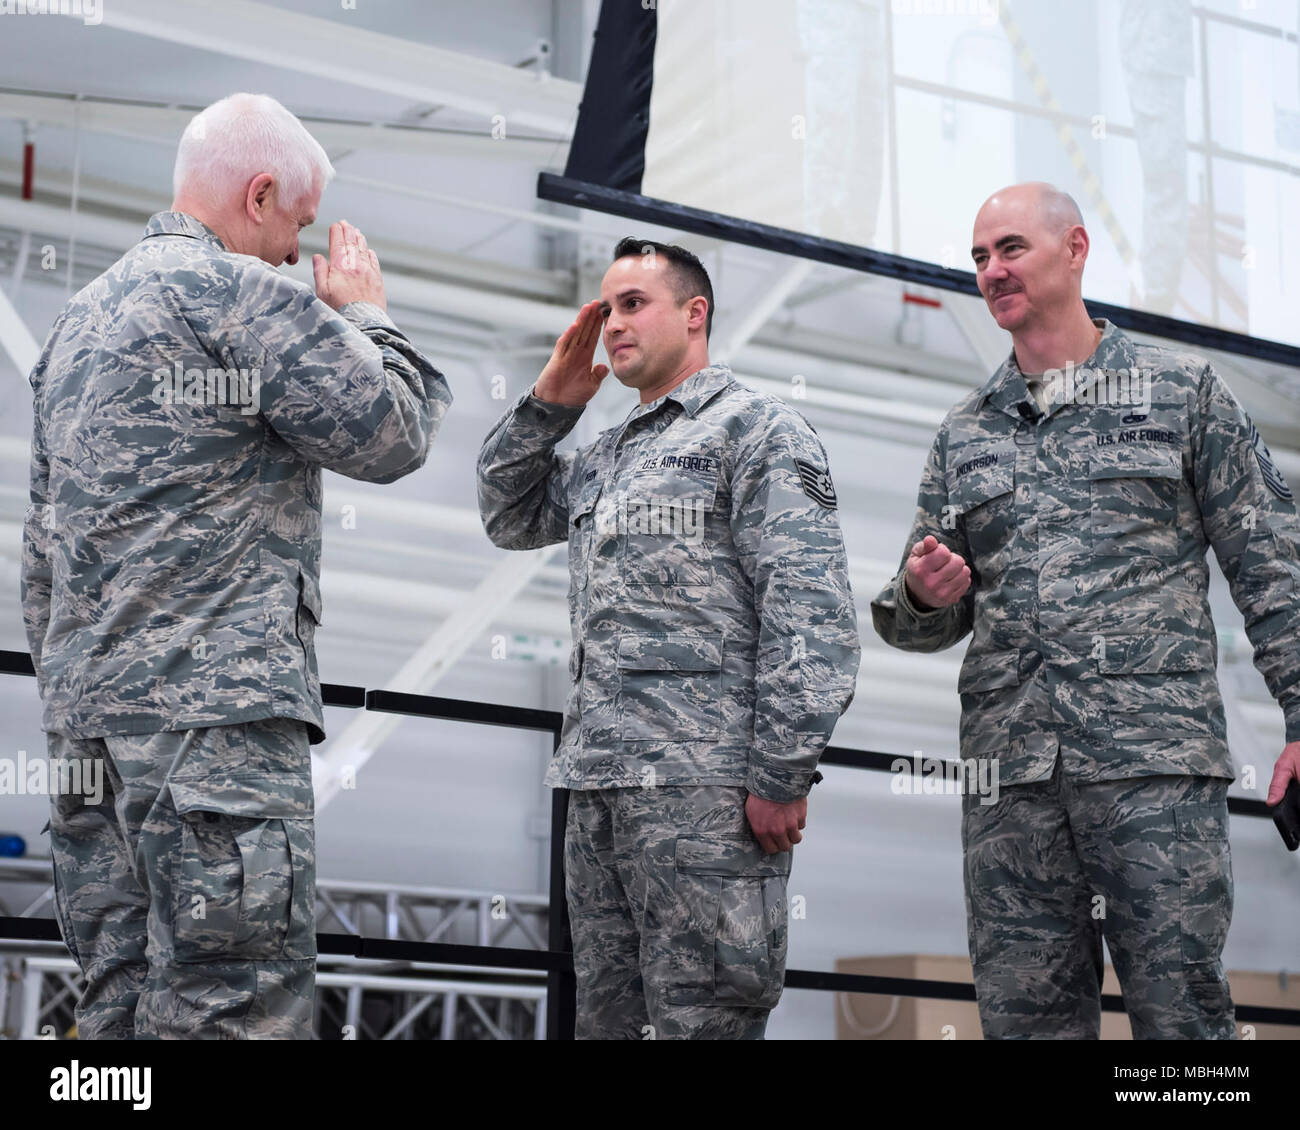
936 577
352 271
570 377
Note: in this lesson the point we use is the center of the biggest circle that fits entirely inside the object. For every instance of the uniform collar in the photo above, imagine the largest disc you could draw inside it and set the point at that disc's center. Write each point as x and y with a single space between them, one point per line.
182 223
692 394
699 388
1007 390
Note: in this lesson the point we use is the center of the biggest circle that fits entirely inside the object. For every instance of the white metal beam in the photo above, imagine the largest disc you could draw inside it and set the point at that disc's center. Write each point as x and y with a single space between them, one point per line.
358 743
163 125
331 50
15 338
767 304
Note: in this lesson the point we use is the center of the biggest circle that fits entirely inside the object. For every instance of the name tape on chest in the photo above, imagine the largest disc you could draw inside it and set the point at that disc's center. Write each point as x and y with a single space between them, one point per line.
701 464
979 462
817 483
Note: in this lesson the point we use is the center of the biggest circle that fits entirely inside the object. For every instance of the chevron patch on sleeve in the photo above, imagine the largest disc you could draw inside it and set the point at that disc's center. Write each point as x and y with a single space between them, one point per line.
817 484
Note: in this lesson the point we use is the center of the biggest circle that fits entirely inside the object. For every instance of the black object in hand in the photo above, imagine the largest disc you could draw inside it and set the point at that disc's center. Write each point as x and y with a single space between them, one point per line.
1287 815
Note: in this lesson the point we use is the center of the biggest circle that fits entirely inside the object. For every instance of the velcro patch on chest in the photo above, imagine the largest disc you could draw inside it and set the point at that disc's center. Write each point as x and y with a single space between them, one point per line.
817 483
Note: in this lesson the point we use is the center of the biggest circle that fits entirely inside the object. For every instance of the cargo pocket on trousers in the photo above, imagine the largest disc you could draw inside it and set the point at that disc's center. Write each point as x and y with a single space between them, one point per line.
1204 880
243 885
730 923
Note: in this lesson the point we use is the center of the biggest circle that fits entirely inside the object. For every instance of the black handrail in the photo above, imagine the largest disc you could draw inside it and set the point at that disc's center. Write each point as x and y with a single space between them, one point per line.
557 960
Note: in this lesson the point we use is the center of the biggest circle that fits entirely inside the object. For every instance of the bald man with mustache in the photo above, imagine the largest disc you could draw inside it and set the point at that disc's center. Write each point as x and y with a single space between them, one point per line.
1063 520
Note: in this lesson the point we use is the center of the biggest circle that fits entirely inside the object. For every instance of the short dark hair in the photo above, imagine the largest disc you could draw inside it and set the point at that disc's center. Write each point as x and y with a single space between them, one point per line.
689 276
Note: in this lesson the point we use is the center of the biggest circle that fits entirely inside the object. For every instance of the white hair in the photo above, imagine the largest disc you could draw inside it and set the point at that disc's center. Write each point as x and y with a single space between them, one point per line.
232 141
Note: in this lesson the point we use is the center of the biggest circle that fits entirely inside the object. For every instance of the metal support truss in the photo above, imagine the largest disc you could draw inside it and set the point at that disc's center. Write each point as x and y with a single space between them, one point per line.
355 998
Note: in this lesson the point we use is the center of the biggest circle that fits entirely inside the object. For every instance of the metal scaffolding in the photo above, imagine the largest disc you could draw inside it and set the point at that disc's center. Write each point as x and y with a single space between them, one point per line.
356 999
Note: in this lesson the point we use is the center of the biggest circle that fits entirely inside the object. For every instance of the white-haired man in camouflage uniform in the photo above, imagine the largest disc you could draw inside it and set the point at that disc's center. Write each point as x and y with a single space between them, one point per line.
184 405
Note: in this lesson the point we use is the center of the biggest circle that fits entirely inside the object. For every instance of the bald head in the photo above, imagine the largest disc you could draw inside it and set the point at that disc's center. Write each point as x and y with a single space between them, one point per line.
1055 211
1029 249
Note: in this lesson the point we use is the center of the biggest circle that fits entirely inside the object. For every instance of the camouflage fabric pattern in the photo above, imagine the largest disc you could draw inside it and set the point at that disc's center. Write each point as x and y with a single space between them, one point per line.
1055 865
1086 535
171 551
679 919
187 896
717 651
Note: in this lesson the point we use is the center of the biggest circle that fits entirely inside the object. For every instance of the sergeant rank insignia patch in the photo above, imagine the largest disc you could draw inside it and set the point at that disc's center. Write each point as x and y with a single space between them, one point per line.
817 484
1272 476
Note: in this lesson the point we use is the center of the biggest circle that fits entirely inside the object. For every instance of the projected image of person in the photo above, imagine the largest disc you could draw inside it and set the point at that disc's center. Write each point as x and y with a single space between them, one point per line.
1155 45
1063 518
843 44
715 645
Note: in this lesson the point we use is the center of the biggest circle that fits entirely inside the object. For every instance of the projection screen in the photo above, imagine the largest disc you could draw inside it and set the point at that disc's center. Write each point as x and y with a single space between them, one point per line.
867 133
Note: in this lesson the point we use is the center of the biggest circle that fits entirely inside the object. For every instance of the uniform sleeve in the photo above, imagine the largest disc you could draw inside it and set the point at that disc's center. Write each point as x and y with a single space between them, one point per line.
34 575
894 614
786 531
1249 516
346 390
523 485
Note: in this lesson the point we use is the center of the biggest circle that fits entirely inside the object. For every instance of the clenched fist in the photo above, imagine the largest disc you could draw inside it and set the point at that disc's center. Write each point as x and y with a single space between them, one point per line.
936 577
351 273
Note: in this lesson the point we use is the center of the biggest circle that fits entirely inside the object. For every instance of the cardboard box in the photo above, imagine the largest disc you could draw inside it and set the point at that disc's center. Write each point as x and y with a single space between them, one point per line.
860 1016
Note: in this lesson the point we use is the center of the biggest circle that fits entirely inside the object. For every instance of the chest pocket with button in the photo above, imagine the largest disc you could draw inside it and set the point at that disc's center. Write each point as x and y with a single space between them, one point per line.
1134 502
664 519
582 522
982 498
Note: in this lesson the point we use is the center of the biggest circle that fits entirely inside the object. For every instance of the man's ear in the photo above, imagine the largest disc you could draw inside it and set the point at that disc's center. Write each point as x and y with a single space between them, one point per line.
1079 244
259 201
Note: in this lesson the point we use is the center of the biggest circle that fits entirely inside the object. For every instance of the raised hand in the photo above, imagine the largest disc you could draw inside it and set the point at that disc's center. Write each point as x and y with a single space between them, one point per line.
352 272
570 377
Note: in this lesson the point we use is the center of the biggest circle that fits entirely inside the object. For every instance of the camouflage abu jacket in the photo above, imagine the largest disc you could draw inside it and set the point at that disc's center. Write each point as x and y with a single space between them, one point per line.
1086 532
714 634
184 404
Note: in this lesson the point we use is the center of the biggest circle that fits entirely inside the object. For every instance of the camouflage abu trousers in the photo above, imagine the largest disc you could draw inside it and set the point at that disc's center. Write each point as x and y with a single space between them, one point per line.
1054 865
187 895
679 920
